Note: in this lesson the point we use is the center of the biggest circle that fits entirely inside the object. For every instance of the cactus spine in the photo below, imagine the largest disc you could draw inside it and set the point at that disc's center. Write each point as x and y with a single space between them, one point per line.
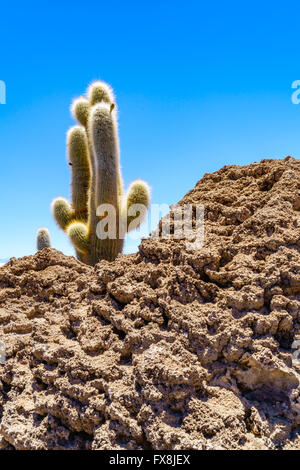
43 239
96 182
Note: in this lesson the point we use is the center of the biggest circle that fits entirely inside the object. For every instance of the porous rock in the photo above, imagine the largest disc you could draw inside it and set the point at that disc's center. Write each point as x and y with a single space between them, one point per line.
168 348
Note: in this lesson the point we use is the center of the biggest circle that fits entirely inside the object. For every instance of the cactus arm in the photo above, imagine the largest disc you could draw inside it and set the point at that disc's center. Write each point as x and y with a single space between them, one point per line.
43 239
138 193
101 92
78 234
78 156
62 212
80 110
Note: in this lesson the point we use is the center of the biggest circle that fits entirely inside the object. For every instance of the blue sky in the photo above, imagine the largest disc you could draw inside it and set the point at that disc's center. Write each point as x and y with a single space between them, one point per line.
199 85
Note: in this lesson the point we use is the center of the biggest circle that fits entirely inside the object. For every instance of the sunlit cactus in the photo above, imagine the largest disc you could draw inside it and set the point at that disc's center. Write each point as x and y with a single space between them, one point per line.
43 239
96 183
138 194
62 212
99 92
80 110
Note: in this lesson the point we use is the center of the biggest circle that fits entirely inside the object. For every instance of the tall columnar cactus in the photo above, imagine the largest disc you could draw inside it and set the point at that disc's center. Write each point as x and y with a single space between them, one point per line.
97 187
43 239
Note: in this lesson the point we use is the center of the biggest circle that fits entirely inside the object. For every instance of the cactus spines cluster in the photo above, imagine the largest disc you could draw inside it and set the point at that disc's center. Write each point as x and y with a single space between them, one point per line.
43 239
96 181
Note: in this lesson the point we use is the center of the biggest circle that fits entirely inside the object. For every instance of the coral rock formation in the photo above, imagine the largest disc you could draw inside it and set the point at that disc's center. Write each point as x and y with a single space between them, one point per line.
166 348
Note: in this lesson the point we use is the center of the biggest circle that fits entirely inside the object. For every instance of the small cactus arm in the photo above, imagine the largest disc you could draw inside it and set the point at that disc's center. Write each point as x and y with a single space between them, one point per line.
98 199
43 239
137 200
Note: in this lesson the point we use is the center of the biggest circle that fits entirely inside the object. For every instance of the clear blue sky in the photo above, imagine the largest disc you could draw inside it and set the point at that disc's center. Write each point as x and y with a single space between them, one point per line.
199 85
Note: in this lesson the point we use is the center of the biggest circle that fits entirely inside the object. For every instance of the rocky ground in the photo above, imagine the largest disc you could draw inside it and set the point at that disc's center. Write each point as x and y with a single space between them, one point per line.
168 348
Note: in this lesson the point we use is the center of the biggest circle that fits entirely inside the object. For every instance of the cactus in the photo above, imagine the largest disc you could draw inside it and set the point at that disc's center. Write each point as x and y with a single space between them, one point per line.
97 186
43 239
